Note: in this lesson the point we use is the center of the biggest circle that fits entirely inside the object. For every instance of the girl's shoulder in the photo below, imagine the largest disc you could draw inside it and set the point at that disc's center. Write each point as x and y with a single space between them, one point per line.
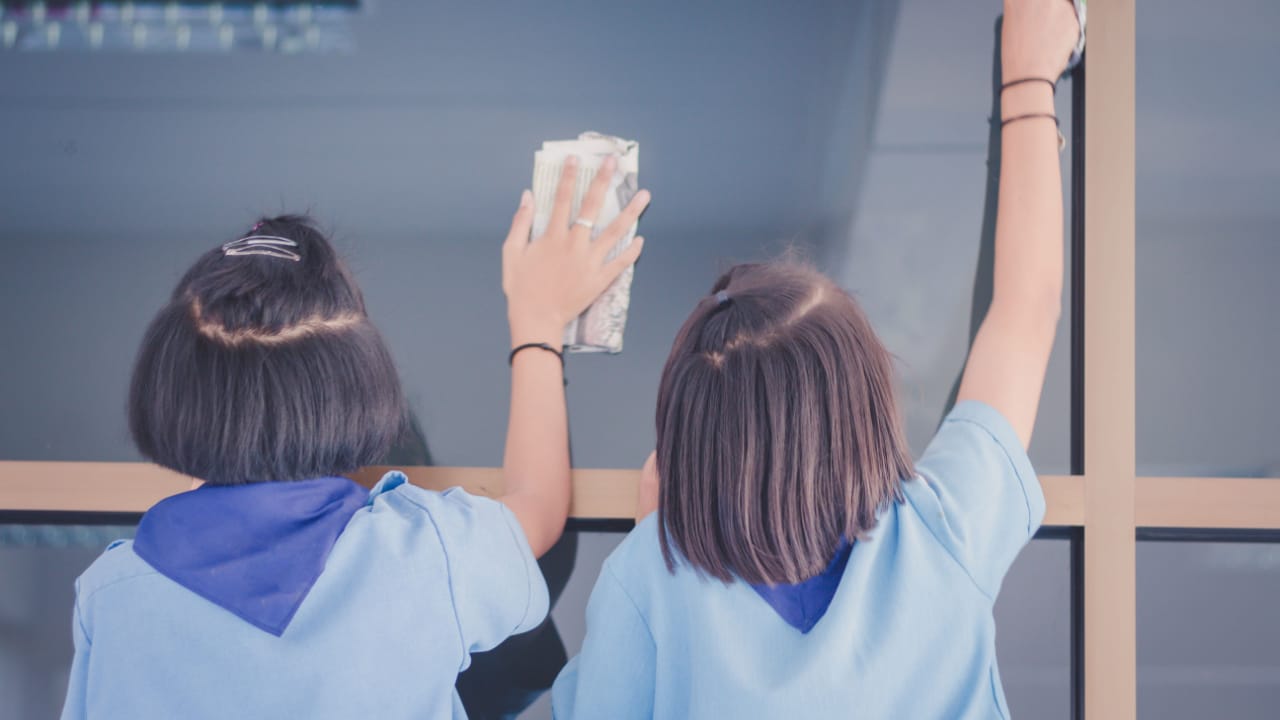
493 579
640 548
394 494
117 564
637 563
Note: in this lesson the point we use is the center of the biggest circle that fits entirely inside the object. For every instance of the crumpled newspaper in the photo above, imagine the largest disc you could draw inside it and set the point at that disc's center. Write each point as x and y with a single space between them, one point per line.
599 328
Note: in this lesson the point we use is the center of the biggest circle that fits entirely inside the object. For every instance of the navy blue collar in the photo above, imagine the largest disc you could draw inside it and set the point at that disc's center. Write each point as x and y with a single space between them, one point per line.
254 550
803 604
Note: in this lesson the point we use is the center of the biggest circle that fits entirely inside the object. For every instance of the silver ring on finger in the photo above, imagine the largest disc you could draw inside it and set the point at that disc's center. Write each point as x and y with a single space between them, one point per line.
584 223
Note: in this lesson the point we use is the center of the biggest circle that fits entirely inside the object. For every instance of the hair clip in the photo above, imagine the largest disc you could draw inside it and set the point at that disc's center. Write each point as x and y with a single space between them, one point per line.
272 245
722 297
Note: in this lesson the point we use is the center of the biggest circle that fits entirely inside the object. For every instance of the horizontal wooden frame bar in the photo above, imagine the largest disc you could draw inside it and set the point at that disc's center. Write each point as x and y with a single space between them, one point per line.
125 487
609 494
1200 502
79 487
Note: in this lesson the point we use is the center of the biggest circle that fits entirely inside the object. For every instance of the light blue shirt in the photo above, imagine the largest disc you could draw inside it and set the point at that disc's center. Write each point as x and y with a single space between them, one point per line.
416 582
909 633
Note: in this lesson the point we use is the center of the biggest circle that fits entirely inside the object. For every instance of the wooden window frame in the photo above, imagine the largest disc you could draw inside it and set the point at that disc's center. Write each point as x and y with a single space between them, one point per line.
1103 506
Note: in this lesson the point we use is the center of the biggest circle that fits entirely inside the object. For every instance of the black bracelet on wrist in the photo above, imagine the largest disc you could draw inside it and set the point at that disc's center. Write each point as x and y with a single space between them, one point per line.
1062 141
1021 81
511 359
1028 116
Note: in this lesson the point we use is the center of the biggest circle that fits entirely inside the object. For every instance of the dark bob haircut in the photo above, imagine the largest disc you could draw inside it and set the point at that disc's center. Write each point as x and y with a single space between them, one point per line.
778 432
265 367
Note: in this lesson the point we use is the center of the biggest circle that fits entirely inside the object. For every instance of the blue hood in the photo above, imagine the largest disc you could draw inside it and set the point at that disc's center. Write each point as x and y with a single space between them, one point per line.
254 550
803 604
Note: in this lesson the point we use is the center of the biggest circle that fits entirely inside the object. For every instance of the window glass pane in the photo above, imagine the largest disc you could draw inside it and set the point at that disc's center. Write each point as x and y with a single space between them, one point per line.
869 146
121 168
1208 639
39 565
1033 632
1207 245
918 250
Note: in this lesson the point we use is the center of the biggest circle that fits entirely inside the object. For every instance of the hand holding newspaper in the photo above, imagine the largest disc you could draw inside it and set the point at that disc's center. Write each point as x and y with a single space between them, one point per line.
599 328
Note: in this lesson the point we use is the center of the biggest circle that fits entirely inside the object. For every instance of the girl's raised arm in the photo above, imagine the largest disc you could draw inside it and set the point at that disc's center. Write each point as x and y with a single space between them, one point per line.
1010 352
548 282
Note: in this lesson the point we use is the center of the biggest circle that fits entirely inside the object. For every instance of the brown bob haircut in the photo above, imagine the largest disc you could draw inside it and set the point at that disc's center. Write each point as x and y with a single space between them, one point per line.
265 367
778 431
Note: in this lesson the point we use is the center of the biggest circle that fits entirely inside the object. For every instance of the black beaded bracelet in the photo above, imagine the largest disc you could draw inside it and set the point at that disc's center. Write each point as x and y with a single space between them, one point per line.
511 359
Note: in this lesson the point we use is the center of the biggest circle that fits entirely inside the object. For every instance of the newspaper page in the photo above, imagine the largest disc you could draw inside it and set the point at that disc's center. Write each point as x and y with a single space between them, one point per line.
600 327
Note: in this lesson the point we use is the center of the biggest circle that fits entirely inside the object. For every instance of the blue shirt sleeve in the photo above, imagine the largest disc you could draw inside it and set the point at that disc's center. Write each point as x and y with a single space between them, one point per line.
498 589
75 704
613 676
978 493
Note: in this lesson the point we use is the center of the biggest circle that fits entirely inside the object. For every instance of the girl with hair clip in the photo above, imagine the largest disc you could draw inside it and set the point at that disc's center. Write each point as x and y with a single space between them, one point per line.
280 588
799 564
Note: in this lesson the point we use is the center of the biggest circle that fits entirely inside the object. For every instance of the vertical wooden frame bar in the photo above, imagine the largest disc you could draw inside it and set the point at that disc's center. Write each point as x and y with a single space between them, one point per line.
1110 619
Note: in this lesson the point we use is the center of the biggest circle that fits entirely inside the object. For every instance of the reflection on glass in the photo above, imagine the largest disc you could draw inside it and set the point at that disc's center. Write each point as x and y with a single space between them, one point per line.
190 27
1207 248
1208 637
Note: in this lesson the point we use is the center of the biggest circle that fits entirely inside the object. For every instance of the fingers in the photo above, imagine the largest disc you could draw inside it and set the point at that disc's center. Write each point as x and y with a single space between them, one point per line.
621 224
518 235
625 259
594 200
564 195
